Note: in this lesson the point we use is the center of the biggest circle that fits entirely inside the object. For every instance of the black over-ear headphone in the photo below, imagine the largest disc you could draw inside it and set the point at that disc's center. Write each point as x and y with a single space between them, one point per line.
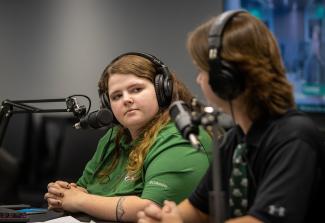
163 81
224 78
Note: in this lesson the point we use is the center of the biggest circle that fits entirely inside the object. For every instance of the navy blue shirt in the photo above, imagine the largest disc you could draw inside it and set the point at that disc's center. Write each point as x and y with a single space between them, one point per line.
286 176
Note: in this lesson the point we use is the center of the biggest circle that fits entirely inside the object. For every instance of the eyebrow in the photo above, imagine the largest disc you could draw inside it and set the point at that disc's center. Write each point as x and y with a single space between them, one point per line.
131 86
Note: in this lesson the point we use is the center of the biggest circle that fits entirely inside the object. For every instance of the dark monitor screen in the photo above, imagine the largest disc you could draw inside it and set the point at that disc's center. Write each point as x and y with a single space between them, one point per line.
299 27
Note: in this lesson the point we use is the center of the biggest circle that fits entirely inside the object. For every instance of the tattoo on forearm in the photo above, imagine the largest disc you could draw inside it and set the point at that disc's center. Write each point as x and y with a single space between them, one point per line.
119 209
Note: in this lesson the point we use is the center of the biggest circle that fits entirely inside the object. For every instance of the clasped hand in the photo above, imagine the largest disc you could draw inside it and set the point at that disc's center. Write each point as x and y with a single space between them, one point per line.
62 195
153 214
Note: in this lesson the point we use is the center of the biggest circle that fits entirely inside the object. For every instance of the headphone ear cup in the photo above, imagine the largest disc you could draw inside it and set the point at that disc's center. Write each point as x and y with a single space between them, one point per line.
105 104
104 101
225 80
164 90
168 89
158 88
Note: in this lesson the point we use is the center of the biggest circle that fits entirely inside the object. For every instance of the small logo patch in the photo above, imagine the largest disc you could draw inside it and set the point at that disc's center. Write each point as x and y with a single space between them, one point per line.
153 182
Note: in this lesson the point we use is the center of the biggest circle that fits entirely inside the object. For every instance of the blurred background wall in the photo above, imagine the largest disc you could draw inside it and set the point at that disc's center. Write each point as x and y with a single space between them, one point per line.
56 48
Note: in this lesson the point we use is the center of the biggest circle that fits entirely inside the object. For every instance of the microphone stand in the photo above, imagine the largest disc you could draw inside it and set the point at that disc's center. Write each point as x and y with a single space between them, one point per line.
217 203
217 197
8 108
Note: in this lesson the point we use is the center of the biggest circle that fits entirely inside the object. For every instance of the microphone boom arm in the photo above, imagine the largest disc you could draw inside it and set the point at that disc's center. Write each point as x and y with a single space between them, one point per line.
8 108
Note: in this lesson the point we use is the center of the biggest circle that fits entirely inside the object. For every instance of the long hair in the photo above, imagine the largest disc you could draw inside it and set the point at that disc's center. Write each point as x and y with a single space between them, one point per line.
143 68
251 47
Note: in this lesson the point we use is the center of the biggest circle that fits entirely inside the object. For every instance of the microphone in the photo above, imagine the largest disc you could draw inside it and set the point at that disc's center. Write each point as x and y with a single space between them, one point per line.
95 119
180 114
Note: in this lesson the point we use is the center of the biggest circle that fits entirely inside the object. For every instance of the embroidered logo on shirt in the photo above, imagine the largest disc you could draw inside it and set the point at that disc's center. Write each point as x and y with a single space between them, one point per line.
153 182
277 211
129 178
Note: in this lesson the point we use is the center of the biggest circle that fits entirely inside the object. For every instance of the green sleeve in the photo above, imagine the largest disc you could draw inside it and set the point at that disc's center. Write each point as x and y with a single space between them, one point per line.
94 162
173 168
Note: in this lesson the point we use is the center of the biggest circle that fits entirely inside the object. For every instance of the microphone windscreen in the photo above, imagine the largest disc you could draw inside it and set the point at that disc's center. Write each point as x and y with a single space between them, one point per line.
96 119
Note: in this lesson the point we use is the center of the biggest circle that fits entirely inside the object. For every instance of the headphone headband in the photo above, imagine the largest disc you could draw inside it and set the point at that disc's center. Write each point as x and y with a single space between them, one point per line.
216 32
162 81
158 63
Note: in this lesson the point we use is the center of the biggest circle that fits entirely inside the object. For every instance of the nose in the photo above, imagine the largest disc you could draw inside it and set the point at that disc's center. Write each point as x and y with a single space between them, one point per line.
127 99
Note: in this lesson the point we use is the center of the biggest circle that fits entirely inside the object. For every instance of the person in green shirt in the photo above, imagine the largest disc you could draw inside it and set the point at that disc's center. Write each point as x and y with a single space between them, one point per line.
143 159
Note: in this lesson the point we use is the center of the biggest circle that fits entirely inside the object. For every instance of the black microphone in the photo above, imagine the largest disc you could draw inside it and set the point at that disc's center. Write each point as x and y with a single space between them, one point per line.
181 115
96 119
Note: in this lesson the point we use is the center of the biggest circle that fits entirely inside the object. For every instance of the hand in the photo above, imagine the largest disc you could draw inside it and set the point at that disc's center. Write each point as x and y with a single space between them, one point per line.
72 199
61 189
55 194
80 188
168 214
150 214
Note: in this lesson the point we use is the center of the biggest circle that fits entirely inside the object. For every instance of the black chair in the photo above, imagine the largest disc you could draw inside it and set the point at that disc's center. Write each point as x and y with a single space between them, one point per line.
12 157
55 151
78 147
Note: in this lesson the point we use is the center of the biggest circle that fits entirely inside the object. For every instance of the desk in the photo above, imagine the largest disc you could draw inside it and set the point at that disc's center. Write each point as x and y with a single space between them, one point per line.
52 215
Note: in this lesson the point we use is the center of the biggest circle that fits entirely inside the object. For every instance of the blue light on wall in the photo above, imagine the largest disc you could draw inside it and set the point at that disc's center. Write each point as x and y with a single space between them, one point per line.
256 12
320 11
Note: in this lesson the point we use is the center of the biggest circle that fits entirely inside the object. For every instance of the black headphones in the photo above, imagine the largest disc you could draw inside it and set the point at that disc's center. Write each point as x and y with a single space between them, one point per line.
224 78
163 81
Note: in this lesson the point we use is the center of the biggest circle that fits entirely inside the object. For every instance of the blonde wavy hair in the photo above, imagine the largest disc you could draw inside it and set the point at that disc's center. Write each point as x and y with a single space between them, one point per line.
251 47
143 68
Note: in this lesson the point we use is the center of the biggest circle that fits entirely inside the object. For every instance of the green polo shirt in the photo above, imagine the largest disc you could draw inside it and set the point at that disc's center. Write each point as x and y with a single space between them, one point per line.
172 167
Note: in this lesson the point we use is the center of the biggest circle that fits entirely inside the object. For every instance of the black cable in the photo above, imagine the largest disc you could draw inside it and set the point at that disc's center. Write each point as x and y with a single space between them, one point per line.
205 152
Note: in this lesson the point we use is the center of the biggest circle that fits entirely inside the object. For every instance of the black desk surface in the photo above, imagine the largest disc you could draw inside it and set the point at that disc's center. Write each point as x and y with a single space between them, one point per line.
52 215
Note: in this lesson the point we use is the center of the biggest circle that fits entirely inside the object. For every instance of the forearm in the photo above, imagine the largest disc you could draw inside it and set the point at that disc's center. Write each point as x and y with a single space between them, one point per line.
244 219
190 214
112 208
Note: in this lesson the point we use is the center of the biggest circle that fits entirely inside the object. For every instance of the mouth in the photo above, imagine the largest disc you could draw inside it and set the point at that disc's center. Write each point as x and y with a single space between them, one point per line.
130 110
